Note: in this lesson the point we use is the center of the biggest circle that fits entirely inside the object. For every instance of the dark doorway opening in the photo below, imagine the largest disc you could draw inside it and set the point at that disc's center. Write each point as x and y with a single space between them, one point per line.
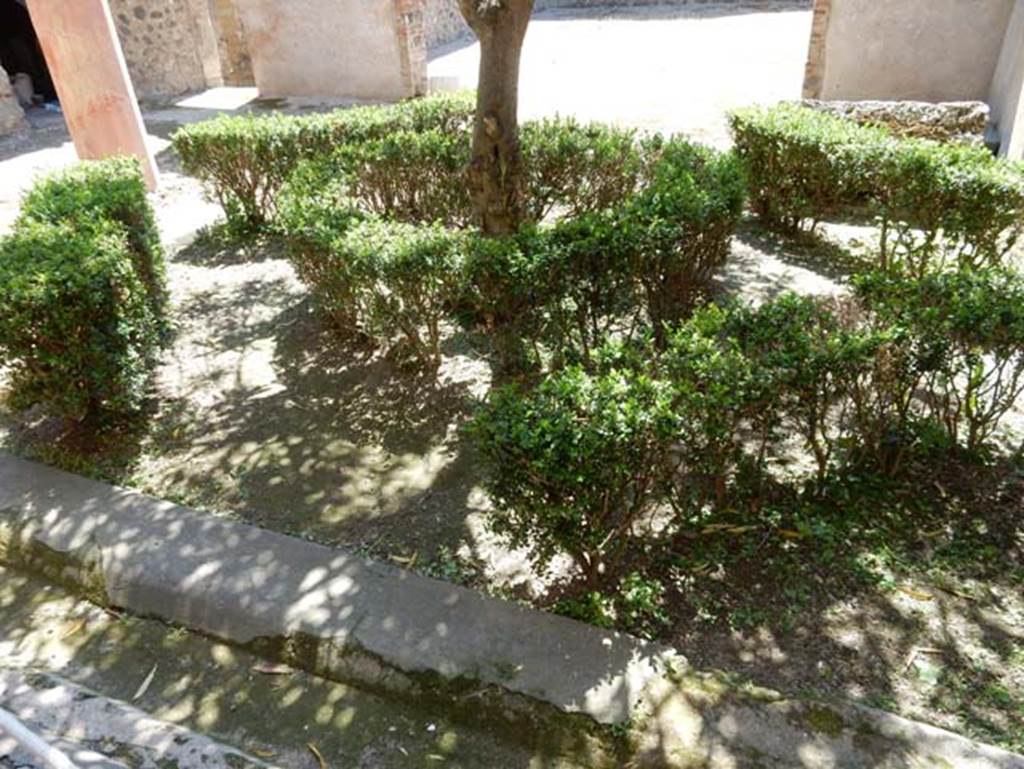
21 56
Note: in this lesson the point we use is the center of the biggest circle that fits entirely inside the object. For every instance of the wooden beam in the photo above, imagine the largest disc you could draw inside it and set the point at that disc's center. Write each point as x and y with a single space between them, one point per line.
87 65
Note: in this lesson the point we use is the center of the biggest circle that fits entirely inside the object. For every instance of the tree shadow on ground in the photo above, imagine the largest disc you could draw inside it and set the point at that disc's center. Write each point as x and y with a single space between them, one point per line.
217 246
820 251
297 430
905 596
218 690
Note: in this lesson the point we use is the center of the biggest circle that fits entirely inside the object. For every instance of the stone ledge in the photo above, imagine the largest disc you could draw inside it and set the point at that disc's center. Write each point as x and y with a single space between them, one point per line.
354 619
955 121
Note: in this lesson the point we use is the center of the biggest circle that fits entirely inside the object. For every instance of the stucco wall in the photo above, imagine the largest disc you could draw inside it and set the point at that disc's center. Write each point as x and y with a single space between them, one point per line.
340 48
162 45
929 50
1007 96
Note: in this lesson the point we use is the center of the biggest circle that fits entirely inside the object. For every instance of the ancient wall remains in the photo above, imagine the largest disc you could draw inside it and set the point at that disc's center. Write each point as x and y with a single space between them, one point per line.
443 22
334 48
236 66
11 115
162 45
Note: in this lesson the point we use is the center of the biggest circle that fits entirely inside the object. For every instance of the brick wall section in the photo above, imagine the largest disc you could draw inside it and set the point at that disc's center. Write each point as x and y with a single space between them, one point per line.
412 45
814 77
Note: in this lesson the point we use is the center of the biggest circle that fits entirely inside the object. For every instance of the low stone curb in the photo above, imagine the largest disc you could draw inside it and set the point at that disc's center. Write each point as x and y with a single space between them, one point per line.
355 619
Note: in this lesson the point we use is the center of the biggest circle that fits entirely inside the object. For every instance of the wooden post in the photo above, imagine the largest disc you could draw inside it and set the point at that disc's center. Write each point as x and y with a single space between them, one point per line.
87 65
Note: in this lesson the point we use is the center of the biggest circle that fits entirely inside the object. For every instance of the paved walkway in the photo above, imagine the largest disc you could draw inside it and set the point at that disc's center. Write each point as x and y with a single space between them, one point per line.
652 67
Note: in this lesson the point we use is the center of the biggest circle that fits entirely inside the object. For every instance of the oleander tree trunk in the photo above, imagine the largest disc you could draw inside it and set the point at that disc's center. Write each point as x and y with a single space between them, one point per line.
494 173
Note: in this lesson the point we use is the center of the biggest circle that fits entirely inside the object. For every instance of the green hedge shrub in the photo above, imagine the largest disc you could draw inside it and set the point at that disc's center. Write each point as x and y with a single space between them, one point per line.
939 205
966 338
77 328
555 292
576 463
550 293
803 165
575 168
390 282
405 277
408 176
245 160
945 206
110 190
591 264
682 223
693 429
507 286
806 357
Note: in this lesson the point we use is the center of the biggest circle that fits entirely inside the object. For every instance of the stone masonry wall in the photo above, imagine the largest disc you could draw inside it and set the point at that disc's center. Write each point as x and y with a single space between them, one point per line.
161 46
11 115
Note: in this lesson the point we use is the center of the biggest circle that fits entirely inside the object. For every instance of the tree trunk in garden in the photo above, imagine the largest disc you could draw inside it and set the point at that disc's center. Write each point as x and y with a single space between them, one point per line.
494 168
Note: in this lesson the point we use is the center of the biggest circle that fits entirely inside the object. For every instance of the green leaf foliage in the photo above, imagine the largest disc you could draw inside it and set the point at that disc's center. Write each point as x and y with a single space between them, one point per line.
245 160
576 462
111 190
939 205
77 329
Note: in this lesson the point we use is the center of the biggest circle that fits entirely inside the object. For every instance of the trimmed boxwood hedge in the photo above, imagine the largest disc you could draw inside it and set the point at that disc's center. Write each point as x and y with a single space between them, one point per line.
83 297
245 160
939 205
77 329
110 190
548 294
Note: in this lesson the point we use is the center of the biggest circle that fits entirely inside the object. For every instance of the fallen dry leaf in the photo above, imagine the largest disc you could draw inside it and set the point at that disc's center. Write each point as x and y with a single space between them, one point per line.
317 755
407 561
917 595
145 684
75 627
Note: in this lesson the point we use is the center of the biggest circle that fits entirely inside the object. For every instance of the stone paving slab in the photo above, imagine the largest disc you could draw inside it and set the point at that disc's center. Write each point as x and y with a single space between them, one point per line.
101 733
378 625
